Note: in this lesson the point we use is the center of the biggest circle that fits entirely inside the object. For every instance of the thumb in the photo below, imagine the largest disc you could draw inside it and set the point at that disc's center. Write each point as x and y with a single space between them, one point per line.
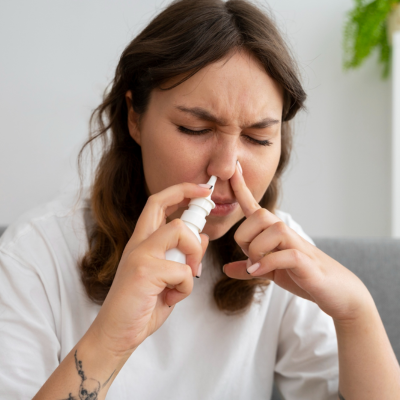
205 240
237 270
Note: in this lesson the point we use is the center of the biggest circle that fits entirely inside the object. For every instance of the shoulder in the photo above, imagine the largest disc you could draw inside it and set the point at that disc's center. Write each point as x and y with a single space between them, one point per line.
291 223
47 229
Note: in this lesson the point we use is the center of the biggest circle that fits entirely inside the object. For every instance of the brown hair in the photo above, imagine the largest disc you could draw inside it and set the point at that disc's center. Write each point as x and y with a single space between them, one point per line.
184 38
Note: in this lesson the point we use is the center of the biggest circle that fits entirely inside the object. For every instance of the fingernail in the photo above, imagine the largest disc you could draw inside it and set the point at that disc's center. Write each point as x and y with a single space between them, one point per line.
239 167
245 252
205 185
248 265
223 269
253 268
199 271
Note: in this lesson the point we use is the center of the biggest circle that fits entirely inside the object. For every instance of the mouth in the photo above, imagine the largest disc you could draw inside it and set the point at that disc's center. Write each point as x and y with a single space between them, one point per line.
221 200
224 208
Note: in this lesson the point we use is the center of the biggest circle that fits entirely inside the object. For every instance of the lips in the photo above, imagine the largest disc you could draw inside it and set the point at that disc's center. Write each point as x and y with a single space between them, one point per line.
224 209
220 200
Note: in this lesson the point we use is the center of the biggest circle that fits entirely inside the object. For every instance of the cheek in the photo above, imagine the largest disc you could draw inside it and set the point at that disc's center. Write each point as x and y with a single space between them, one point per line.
163 168
273 160
260 172
262 175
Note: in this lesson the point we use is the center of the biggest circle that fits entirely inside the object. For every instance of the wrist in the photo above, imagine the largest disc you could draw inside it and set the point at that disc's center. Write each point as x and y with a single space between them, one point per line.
356 305
99 344
360 315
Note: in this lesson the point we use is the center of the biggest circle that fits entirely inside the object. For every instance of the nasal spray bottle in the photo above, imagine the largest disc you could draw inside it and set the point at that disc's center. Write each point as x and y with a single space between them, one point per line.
195 219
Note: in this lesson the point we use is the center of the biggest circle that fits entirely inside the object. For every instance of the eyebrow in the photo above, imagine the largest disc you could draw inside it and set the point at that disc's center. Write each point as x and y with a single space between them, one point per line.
205 115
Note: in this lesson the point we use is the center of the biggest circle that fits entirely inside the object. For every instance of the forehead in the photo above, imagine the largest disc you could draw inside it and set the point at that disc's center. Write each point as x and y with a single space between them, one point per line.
236 88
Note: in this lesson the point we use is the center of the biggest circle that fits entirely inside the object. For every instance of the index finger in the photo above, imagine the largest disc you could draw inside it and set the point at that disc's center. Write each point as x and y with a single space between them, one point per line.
243 195
154 213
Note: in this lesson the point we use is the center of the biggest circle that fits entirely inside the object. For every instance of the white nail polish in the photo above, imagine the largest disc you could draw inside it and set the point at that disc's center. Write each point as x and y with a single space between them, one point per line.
245 252
239 167
253 268
248 263
199 271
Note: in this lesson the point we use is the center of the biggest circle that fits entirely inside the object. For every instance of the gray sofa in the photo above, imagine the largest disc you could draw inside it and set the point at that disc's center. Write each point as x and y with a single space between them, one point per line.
376 261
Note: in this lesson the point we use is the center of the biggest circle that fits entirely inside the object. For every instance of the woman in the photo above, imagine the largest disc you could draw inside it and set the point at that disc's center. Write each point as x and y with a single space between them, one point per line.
208 88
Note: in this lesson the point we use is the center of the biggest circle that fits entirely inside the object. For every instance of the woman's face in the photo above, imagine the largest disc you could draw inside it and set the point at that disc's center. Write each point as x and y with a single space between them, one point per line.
230 102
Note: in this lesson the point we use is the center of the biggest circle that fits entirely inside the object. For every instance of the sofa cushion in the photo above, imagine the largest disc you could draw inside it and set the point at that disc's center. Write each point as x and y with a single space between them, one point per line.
376 261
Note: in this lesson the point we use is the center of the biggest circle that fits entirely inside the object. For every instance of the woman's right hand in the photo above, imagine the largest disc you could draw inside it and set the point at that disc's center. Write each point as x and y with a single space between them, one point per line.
139 300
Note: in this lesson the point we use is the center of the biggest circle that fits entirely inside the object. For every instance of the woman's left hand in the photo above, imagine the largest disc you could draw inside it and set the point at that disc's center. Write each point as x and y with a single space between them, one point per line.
291 261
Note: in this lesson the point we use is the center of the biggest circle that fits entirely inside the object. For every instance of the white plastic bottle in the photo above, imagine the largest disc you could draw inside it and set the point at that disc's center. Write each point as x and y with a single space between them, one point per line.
195 219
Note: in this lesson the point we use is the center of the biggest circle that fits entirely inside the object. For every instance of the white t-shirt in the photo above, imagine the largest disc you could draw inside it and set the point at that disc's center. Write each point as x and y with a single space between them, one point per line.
199 353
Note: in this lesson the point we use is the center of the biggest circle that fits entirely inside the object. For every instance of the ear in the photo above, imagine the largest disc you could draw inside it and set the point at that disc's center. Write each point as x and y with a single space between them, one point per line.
133 119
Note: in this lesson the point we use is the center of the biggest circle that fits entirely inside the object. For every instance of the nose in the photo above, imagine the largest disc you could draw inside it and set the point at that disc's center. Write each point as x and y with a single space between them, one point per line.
222 162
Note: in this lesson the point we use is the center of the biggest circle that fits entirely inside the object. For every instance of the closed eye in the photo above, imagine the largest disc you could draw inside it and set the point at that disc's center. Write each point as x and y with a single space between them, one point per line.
203 131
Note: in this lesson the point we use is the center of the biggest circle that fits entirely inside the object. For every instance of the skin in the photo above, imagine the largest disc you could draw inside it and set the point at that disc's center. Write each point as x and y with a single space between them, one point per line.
365 354
253 97
146 287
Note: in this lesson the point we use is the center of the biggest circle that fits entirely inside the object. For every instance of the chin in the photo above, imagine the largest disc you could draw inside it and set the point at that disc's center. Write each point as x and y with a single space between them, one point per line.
217 230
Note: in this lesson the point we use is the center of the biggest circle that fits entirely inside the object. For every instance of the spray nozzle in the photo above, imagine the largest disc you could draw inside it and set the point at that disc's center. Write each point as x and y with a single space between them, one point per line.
199 208
212 181
195 219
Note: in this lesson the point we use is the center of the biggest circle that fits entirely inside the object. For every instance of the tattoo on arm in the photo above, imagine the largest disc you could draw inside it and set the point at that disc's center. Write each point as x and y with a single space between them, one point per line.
341 397
105 383
89 387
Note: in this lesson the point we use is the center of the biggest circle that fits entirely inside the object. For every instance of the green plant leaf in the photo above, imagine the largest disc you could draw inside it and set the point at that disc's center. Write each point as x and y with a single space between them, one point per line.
364 31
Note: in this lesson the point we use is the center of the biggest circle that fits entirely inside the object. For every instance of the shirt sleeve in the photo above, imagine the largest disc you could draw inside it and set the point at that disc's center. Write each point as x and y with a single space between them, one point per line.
307 363
29 347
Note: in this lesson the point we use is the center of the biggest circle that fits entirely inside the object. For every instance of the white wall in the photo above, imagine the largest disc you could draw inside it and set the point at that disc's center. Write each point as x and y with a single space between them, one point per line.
396 134
58 56
339 181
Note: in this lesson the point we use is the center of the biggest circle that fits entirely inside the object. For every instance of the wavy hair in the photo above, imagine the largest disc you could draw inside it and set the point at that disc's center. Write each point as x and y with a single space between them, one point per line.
184 38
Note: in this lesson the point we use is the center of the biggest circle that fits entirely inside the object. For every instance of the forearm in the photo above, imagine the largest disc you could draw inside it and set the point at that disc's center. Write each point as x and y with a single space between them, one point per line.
88 367
368 368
